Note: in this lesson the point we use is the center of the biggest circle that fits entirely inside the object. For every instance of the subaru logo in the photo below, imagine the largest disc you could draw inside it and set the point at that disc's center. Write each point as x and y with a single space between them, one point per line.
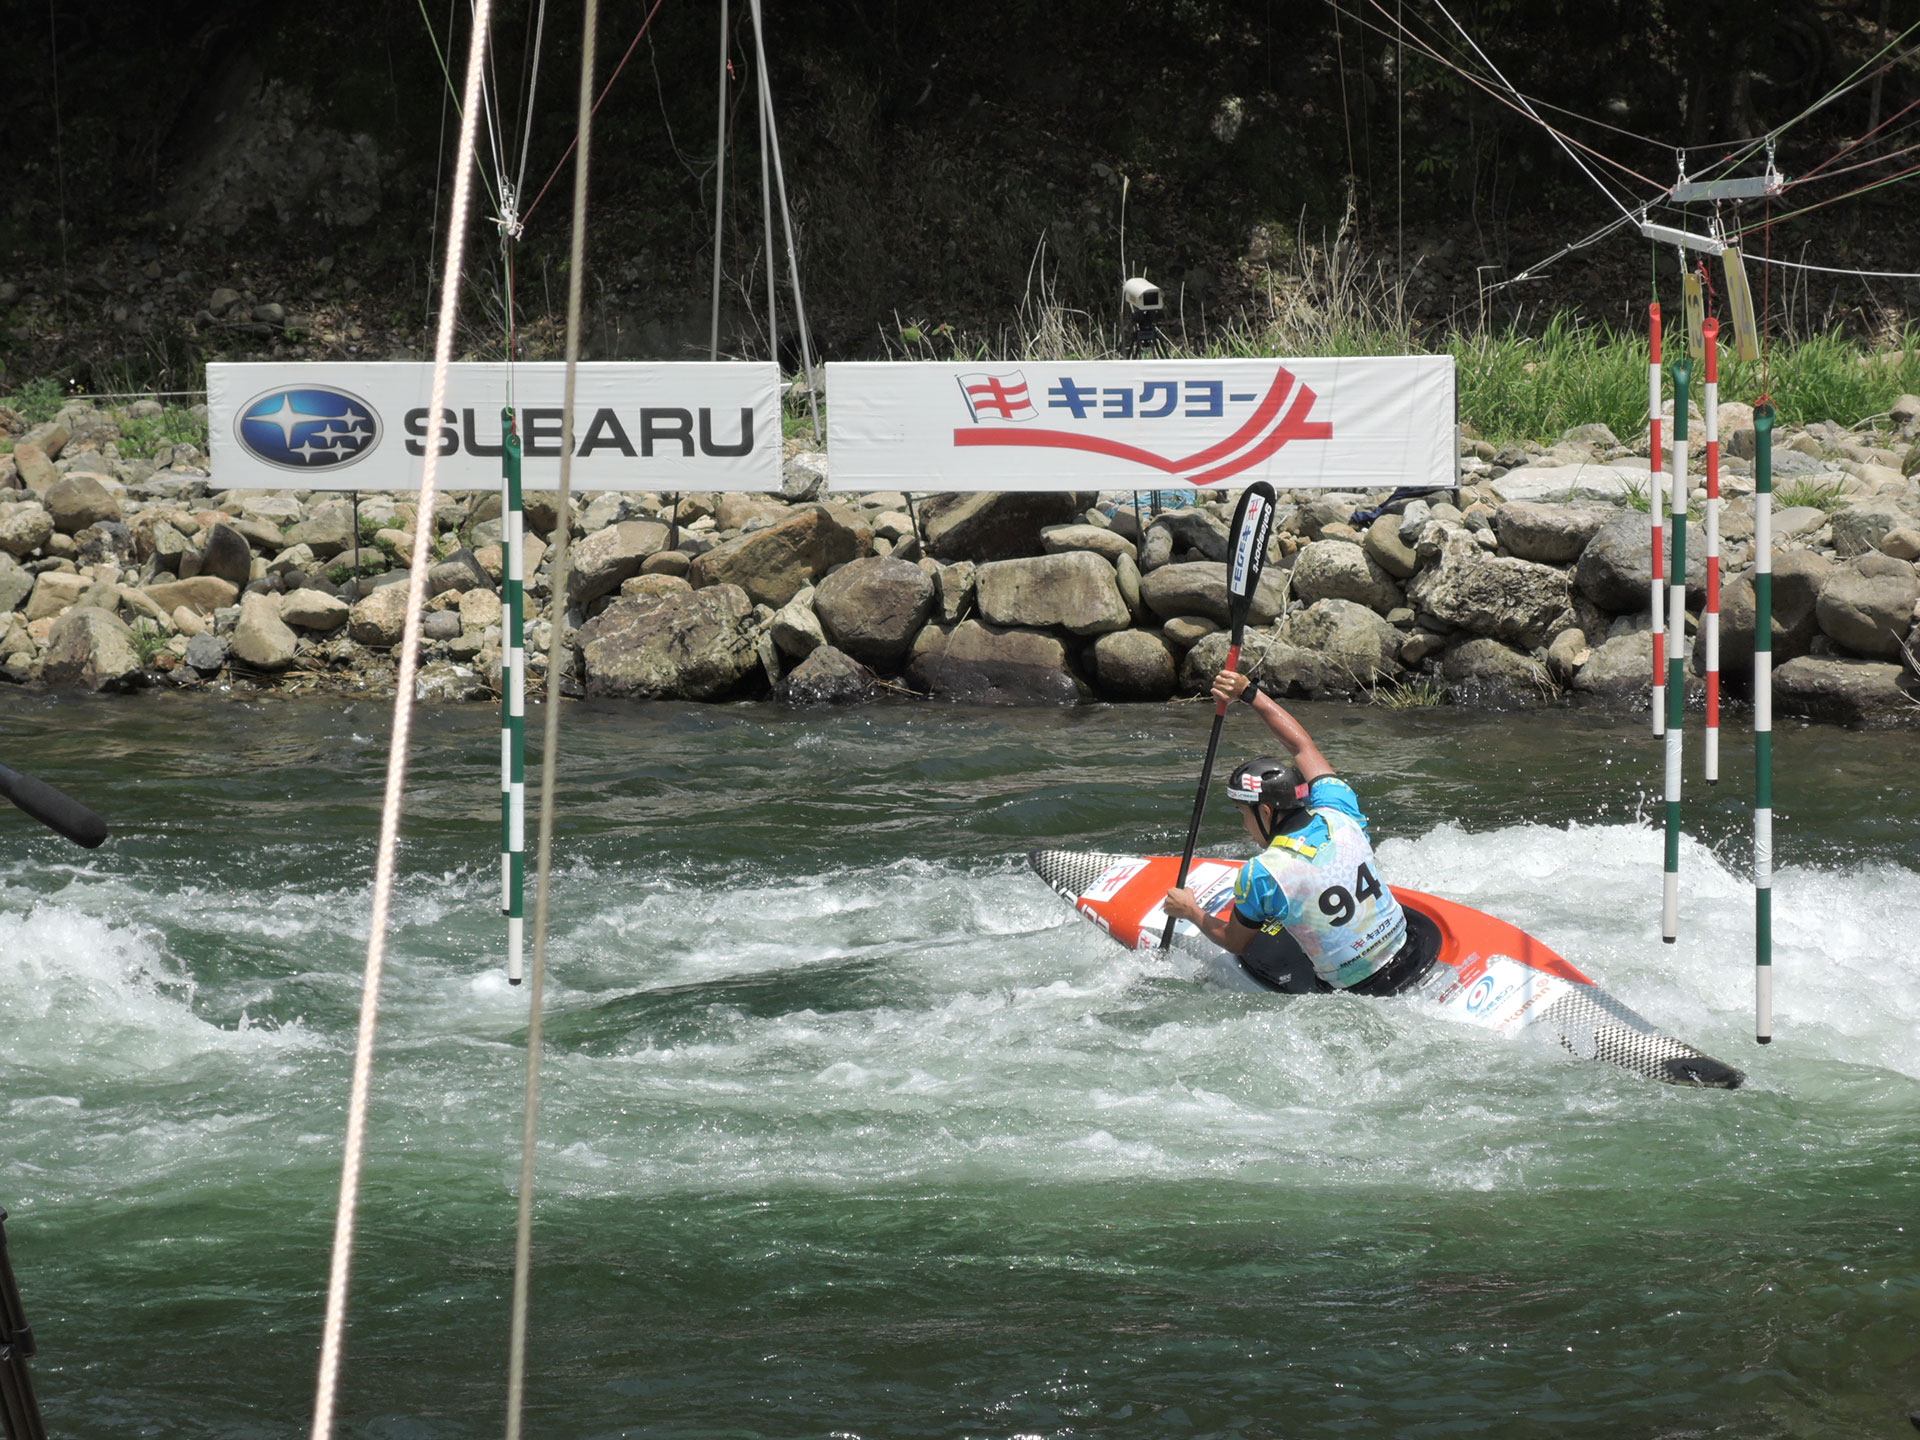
308 427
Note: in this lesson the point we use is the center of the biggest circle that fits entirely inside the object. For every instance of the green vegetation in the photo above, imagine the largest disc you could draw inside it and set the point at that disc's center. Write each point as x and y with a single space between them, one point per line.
172 426
148 640
1819 494
38 400
1410 695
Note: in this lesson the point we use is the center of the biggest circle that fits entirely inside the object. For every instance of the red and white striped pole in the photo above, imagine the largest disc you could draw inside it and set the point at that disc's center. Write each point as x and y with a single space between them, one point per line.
1657 618
1710 619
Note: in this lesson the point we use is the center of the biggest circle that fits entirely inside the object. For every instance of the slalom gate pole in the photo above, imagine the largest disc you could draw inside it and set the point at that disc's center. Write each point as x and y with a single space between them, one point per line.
1676 655
1710 617
1763 723
1656 618
513 702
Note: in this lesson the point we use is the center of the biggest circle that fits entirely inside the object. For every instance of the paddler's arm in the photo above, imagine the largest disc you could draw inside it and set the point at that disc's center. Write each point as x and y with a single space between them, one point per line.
1230 934
1227 686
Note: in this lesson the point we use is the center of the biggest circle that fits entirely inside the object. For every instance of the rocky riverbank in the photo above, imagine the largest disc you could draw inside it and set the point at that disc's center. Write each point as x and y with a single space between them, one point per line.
1527 586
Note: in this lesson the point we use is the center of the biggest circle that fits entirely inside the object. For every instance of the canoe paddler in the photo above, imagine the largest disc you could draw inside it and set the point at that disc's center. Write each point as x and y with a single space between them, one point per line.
1315 877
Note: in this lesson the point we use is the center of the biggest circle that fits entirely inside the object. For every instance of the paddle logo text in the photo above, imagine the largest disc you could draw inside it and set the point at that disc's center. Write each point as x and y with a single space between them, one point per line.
308 427
1241 425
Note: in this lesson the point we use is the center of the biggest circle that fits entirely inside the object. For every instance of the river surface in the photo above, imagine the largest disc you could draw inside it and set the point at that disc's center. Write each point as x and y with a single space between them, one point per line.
852 1128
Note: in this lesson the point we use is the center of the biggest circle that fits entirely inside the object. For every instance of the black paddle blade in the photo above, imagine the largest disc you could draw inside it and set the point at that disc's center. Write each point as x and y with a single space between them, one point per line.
1252 528
1252 525
53 809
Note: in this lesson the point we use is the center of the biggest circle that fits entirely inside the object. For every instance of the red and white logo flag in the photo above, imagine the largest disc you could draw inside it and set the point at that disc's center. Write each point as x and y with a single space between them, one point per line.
996 397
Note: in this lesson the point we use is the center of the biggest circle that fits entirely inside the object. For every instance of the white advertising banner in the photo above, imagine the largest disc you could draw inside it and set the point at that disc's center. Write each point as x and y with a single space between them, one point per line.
1350 424
350 426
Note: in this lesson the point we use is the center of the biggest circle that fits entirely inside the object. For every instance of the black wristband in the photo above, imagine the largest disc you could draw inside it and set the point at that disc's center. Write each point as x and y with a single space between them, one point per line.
1251 693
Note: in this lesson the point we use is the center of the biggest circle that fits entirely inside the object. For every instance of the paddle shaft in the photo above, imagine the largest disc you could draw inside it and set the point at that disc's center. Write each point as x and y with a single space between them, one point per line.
52 809
1206 779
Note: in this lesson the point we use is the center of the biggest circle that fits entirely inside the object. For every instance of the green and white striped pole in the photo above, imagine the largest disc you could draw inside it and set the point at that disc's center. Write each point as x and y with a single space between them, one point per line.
1763 723
1676 653
513 702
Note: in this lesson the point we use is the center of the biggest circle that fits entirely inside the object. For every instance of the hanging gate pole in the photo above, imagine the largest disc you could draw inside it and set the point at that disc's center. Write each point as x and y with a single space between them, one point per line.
1676 655
1710 617
513 701
1763 723
1656 621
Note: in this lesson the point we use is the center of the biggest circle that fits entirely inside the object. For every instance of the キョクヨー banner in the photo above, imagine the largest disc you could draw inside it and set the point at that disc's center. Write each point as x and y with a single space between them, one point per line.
350 426
1350 424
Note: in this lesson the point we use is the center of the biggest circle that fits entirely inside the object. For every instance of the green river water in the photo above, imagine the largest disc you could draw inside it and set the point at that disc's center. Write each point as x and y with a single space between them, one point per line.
852 1128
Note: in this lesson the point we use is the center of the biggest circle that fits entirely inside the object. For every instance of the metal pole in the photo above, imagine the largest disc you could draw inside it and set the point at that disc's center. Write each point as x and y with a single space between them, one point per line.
1656 620
719 188
1763 723
513 703
1710 617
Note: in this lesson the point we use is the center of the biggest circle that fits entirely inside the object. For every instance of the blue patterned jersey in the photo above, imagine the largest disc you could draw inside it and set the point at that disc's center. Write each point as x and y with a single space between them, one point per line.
1321 884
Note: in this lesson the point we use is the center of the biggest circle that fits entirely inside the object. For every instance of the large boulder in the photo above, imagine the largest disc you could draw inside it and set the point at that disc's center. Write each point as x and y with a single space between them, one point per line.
1277 667
1550 534
1060 539
1134 665
1619 672
1868 614
796 629
1077 592
1347 635
1342 570
24 527
54 591
1516 601
203 594
688 645
377 620
225 554
35 466
1483 671
1199 587
316 610
828 677
601 563
1387 550
1862 526
1846 692
79 501
1798 578
15 584
988 665
261 638
774 564
1191 529
326 533
995 525
1616 568
874 607
91 649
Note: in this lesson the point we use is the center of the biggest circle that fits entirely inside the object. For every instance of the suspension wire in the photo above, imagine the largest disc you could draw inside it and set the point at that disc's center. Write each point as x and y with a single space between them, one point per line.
786 225
1565 250
489 83
1849 149
529 95
550 745
1885 180
766 213
439 170
447 75
1835 270
1521 108
719 187
561 163
1346 113
334 1328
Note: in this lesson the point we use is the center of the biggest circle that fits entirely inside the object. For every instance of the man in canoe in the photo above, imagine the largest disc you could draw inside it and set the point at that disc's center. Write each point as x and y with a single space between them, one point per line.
1315 881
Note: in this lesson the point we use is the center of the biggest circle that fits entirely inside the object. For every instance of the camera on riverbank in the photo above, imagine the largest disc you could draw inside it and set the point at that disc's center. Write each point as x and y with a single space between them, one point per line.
1141 297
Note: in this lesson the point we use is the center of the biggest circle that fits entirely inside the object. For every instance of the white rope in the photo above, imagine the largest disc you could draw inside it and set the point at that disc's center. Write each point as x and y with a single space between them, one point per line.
786 222
533 95
1832 270
550 747
333 1331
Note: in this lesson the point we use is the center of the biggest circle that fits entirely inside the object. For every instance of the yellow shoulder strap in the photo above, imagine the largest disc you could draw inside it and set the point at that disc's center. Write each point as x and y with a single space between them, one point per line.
1298 847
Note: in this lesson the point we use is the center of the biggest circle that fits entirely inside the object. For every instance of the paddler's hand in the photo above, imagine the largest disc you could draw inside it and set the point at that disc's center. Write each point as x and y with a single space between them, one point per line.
1227 686
1180 906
